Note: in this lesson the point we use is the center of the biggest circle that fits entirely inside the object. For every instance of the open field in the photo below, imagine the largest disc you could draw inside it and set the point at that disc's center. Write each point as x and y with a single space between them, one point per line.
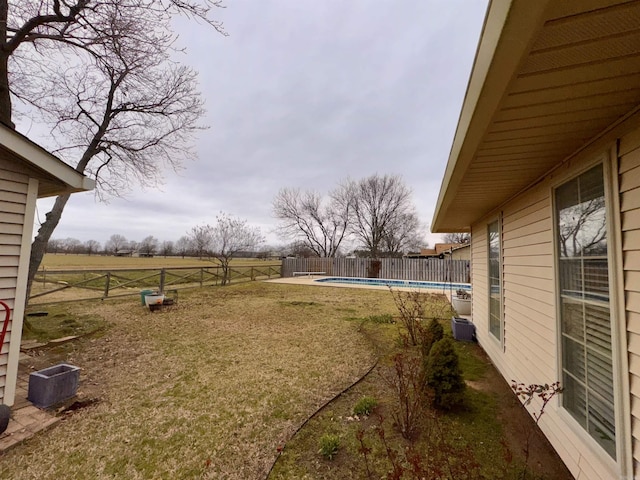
97 262
216 386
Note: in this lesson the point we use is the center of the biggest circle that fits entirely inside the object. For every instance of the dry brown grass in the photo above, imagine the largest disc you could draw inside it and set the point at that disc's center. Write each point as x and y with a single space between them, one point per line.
73 262
209 388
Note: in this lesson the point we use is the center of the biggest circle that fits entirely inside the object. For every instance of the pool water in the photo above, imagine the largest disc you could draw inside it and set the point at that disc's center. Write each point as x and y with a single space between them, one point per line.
383 282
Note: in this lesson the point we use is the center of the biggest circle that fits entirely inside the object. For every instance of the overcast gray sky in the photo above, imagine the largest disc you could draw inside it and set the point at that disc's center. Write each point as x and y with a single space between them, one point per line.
305 93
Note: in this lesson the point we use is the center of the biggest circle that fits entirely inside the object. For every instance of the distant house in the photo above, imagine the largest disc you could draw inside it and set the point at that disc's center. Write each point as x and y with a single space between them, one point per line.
439 250
461 252
27 172
544 172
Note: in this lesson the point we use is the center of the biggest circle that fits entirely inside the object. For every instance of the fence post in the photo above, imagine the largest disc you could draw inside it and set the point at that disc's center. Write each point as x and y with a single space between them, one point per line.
252 277
162 275
106 285
201 276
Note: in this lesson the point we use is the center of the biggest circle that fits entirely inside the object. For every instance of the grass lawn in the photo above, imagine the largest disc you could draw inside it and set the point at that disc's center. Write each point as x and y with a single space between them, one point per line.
215 386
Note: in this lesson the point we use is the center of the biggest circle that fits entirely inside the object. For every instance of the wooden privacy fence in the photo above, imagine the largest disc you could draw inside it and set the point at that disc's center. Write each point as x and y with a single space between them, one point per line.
425 269
70 285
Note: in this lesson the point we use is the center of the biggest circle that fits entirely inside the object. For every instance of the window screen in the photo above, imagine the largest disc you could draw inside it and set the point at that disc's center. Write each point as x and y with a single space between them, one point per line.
585 318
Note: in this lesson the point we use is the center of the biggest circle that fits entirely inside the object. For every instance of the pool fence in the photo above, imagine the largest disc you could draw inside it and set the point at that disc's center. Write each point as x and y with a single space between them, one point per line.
423 269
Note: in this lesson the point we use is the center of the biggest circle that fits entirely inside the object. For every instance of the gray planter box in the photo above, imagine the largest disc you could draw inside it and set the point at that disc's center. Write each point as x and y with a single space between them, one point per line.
53 385
463 329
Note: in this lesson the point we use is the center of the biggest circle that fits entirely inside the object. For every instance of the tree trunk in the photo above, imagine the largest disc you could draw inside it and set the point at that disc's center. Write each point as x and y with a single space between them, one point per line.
39 245
225 272
5 96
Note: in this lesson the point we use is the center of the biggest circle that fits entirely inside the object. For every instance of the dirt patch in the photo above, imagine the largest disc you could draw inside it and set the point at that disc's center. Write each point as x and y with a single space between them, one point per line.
518 427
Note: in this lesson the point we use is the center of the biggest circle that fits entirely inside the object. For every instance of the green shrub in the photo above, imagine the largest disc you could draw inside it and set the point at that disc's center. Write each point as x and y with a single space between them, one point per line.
329 445
430 335
443 375
364 406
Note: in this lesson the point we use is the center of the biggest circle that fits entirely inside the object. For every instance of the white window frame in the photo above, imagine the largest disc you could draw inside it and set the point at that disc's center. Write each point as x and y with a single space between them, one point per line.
623 463
497 220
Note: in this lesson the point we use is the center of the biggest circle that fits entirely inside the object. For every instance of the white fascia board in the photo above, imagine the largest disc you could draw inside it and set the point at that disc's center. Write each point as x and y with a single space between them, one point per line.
508 32
43 160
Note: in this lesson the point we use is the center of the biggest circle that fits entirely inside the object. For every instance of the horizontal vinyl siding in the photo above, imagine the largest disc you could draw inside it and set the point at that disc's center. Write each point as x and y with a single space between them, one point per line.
629 180
530 350
13 200
529 299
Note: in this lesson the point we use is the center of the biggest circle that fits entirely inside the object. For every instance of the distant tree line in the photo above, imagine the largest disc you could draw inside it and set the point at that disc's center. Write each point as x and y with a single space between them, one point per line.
150 246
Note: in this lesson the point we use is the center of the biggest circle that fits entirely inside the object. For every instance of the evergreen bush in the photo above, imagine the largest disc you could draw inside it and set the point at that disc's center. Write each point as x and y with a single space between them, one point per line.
430 335
443 375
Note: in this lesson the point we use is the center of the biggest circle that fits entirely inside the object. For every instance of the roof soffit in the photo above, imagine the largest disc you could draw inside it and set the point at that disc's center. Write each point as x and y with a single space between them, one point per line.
577 74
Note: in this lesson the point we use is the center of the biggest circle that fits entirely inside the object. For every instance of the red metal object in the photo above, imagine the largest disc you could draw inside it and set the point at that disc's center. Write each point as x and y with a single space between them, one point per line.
7 318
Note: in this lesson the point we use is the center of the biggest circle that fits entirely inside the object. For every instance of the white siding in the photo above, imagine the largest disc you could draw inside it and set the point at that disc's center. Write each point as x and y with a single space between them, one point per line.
529 352
629 177
14 188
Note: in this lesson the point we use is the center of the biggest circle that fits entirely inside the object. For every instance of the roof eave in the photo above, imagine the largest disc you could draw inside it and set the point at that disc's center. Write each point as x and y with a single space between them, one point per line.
58 177
508 33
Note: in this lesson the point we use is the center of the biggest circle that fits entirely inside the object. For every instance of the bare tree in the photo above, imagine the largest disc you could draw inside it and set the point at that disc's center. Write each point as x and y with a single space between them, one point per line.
183 246
100 73
54 245
403 235
71 245
229 237
91 247
300 249
30 30
321 225
457 237
166 248
116 243
132 246
148 246
200 240
379 206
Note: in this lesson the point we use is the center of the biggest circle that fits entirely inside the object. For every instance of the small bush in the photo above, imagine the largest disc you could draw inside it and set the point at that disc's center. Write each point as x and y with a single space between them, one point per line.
329 445
383 318
443 375
411 309
364 406
405 381
430 335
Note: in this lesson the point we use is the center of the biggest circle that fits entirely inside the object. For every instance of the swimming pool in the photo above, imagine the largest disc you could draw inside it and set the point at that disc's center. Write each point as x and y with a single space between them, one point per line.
383 282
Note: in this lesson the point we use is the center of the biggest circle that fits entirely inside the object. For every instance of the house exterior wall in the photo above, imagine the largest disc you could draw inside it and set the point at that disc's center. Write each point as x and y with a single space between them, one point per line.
528 351
18 193
629 191
463 253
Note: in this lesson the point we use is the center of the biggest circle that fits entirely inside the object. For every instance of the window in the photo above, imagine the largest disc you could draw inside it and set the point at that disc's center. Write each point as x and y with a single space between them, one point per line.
585 318
495 292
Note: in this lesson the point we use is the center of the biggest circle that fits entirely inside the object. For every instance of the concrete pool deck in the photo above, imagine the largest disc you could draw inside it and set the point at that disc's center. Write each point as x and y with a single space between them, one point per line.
311 280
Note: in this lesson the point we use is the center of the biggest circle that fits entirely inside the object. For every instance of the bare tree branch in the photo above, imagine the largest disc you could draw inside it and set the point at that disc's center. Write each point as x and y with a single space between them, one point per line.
305 216
382 213
100 73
